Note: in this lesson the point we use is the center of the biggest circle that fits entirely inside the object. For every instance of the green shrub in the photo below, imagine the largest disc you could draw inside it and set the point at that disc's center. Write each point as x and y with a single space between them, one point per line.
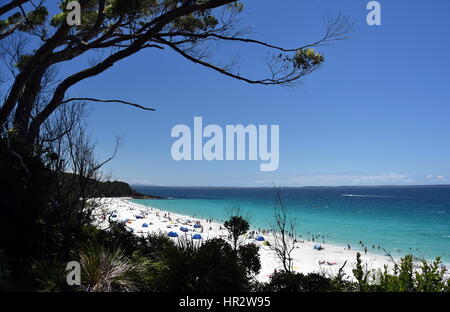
104 269
361 275
429 277
153 246
211 266
249 257
237 226
297 282
117 235
49 275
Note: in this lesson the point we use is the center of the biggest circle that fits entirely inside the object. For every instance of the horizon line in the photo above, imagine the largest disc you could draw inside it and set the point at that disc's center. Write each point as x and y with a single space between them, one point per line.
306 186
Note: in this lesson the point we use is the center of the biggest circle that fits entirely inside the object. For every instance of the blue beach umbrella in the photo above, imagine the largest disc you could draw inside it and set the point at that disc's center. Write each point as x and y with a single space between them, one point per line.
197 225
114 216
196 236
260 239
144 225
172 234
317 246
184 229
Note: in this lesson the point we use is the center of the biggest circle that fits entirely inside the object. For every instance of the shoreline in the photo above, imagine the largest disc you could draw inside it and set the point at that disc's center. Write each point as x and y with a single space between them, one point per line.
306 259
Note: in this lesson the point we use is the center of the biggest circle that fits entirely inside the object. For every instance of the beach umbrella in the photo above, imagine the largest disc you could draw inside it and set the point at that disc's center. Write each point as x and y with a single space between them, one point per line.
172 234
196 236
317 246
197 225
114 216
184 229
144 225
260 239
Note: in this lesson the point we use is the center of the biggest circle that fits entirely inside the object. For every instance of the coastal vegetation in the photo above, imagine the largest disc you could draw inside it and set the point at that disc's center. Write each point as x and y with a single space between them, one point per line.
283 243
115 259
238 224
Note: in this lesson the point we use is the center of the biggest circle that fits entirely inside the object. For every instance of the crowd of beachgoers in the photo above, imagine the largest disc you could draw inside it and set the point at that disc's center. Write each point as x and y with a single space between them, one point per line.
311 255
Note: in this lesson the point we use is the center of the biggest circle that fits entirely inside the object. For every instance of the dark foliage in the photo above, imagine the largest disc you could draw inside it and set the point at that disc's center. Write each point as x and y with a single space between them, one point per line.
4 272
212 266
35 223
42 216
237 226
249 257
117 236
153 246
297 282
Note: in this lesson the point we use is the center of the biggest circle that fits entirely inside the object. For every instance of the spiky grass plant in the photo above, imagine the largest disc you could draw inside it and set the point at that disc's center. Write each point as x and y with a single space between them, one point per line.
105 270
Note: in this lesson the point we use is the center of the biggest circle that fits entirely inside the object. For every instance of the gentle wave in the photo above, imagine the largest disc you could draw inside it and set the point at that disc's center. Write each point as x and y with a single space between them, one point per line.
356 195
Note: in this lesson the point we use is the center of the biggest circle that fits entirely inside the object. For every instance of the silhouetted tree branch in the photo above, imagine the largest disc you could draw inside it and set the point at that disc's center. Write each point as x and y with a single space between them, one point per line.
122 29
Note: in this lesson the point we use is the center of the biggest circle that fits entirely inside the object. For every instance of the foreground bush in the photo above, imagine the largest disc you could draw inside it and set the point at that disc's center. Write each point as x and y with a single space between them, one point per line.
405 276
249 258
105 270
284 281
428 277
212 266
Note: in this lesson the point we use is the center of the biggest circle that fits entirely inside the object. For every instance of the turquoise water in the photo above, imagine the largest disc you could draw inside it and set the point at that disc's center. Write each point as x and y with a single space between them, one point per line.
400 220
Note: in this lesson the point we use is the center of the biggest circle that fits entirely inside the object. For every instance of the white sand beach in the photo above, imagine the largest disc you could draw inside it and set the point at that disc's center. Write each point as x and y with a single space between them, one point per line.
143 220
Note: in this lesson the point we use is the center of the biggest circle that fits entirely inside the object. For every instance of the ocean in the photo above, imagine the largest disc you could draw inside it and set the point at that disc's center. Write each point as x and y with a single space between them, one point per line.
398 219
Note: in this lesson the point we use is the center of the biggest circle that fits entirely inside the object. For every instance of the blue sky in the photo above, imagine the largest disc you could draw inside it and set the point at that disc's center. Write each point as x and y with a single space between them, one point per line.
378 112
